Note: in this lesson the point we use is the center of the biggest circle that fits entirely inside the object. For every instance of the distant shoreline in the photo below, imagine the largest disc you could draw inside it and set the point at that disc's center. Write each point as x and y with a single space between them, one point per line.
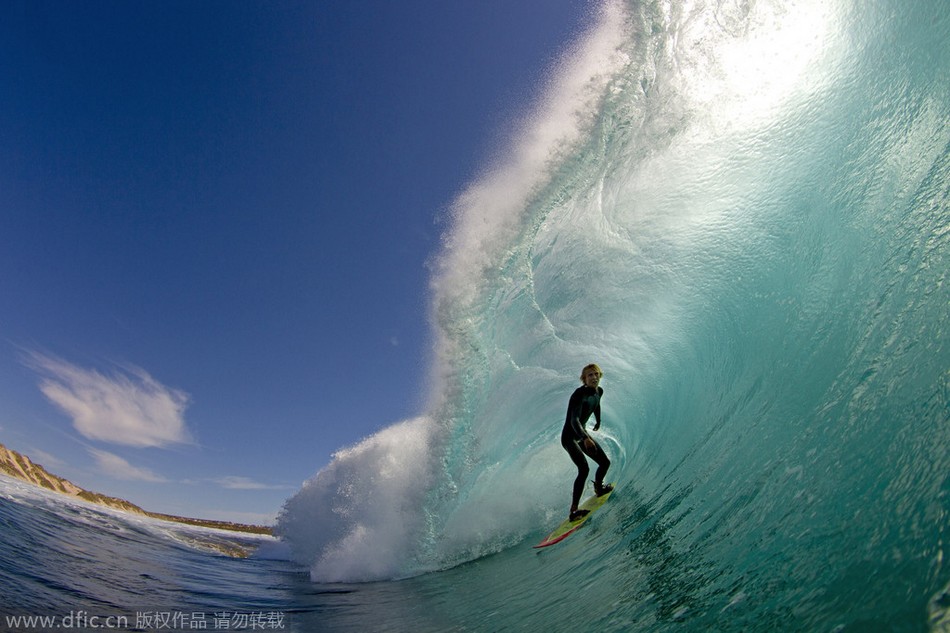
220 525
21 467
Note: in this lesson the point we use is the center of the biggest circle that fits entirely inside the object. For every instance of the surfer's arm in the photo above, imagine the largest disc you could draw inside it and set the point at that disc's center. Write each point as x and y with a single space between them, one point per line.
574 417
579 431
597 410
574 407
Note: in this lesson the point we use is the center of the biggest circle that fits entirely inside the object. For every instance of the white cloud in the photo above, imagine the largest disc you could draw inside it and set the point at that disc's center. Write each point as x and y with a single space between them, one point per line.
45 459
243 483
121 469
128 407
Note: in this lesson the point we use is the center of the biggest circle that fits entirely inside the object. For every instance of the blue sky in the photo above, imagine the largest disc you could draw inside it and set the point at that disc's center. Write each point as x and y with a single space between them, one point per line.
215 219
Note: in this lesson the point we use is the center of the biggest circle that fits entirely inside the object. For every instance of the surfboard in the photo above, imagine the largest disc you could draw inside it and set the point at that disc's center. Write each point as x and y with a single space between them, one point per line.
568 527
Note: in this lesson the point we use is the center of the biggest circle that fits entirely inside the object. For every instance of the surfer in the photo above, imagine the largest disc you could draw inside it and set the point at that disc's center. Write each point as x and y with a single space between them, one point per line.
579 445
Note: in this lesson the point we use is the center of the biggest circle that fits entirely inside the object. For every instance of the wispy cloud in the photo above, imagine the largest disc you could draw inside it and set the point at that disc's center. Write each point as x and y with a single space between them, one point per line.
45 459
121 469
243 483
128 407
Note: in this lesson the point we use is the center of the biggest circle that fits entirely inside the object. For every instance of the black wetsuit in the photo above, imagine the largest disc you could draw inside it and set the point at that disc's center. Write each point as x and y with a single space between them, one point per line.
585 401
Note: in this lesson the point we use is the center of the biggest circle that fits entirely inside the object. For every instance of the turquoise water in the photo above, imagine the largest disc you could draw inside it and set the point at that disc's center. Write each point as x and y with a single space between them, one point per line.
740 211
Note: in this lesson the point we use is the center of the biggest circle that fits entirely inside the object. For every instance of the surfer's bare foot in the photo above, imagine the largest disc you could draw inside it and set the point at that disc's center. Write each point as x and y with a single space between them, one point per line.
601 489
578 514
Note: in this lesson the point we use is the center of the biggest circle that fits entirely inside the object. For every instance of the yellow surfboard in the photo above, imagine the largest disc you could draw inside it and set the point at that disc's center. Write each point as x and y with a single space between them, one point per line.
568 527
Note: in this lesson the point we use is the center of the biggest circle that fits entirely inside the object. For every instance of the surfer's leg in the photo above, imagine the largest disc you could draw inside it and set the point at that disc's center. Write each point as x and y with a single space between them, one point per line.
603 463
577 456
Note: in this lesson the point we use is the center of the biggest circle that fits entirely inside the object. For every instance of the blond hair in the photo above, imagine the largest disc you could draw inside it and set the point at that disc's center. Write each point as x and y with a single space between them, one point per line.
587 368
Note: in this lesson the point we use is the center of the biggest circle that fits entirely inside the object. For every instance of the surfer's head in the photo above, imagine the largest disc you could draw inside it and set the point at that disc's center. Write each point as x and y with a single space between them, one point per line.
591 374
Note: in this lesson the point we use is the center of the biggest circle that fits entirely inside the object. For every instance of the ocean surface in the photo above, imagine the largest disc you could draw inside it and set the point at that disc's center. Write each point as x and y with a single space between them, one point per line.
741 211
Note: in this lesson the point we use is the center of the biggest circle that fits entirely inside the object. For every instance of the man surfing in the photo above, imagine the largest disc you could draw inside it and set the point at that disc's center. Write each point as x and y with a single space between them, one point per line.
579 445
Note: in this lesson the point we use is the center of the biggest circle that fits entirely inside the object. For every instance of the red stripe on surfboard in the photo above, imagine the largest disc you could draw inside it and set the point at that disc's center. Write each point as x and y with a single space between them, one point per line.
545 542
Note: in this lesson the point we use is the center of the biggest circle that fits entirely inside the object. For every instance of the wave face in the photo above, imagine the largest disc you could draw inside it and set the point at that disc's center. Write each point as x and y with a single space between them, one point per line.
740 211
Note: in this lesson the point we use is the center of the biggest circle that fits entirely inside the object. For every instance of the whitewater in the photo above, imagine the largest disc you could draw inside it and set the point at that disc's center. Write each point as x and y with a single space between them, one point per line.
741 211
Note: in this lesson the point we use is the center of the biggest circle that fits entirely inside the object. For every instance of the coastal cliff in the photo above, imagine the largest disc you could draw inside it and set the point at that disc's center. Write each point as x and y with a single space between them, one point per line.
21 467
